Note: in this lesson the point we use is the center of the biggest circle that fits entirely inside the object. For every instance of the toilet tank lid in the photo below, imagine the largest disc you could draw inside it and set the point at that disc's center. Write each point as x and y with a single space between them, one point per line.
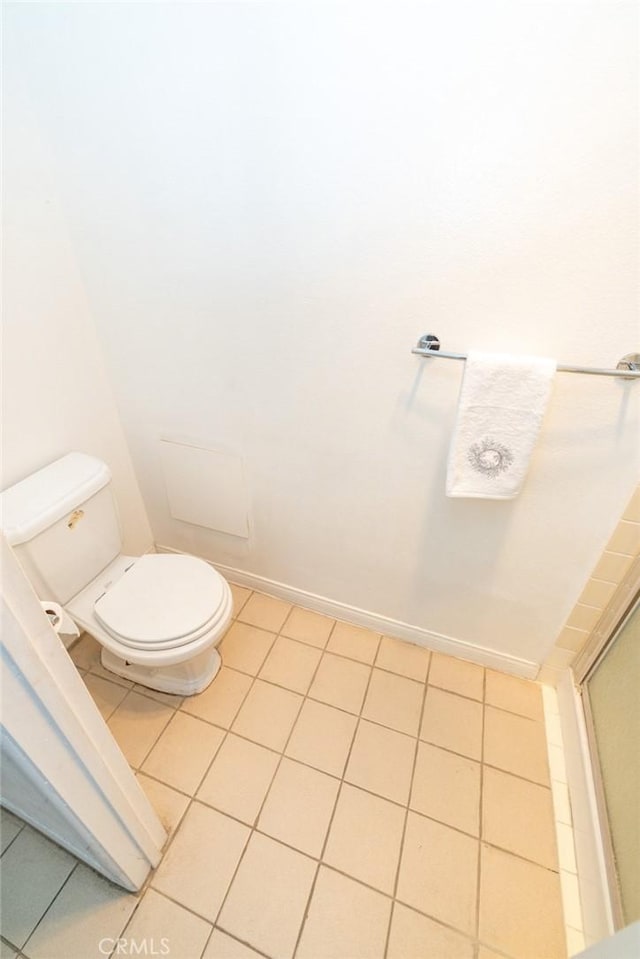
40 500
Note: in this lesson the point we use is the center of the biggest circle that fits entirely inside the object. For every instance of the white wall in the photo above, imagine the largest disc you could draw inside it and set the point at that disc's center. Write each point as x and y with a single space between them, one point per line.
56 393
270 203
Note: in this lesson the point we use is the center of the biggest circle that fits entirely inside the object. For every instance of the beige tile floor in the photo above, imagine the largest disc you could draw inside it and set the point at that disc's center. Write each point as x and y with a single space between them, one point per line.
334 794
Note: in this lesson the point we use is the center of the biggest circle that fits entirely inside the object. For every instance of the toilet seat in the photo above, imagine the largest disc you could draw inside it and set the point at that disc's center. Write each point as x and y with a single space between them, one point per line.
162 602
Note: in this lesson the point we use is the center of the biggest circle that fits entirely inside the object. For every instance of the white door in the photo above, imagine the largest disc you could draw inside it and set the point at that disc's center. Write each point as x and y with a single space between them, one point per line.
62 770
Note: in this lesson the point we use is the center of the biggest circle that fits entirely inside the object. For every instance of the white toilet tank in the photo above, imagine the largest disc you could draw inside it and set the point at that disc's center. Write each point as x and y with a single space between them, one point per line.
63 525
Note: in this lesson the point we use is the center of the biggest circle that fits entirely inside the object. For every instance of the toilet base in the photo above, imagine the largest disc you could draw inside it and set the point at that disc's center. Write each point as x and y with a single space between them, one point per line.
181 679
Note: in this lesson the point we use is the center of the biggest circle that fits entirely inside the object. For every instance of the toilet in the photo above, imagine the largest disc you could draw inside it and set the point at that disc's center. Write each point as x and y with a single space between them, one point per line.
157 617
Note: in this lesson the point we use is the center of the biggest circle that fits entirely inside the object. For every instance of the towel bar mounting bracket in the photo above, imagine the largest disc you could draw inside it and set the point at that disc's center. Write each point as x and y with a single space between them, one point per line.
429 342
630 361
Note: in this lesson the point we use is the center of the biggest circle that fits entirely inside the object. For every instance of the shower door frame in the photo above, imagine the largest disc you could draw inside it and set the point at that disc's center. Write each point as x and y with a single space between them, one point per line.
622 605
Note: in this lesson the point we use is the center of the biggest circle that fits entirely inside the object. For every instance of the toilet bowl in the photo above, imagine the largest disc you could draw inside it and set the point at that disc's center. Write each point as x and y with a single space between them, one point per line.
158 617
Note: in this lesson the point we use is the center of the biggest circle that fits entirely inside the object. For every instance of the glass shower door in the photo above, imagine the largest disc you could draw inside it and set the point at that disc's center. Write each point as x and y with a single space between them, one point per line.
611 692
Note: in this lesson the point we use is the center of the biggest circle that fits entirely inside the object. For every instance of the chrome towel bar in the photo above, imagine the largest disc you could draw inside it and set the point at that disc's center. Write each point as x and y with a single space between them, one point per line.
627 369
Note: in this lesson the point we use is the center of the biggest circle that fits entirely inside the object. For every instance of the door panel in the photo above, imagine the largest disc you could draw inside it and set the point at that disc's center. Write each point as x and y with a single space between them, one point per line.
613 693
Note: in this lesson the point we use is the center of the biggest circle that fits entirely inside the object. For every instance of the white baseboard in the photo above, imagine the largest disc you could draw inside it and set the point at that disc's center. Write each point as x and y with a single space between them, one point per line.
380 624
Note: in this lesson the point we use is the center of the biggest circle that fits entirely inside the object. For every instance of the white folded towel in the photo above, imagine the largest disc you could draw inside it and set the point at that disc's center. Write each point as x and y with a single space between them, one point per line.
500 409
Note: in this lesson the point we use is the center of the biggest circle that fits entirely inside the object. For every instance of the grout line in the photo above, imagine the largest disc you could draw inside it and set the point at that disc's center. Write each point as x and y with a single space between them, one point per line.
435 919
426 649
325 865
249 591
335 802
177 709
298 642
375 723
494 950
12 945
236 939
11 841
116 950
408 804
30 936
345 782
209 764
192 798
335 806
360 718
511 712
480 801
253 828
148 883
370 792
155 741
374 665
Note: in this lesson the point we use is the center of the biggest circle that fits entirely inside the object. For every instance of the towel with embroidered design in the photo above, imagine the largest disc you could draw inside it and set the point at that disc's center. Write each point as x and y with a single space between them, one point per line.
501 405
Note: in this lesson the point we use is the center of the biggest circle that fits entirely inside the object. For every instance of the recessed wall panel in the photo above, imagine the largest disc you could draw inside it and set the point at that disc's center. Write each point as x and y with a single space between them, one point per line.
205 487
